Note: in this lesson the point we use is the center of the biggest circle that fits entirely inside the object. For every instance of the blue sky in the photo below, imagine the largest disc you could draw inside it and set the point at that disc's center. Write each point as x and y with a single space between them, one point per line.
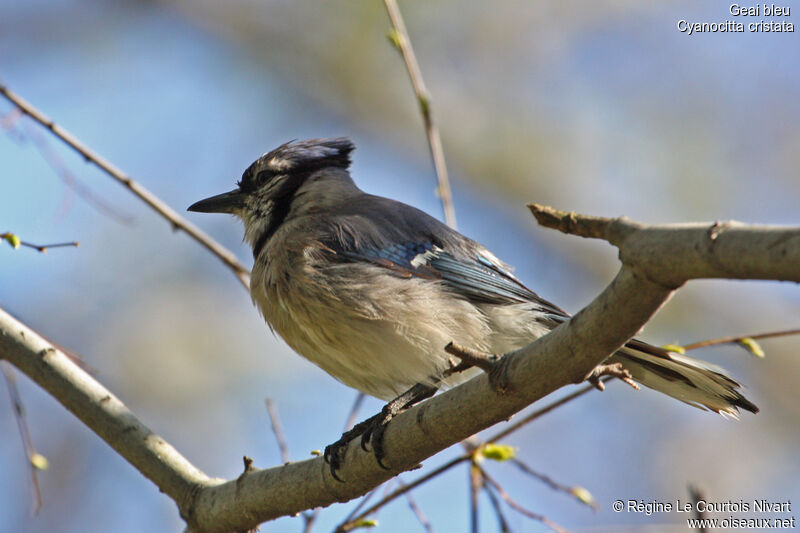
629 117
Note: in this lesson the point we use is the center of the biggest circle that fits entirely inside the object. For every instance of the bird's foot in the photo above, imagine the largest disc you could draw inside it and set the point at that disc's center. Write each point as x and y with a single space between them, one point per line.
372 429
334 453
614 370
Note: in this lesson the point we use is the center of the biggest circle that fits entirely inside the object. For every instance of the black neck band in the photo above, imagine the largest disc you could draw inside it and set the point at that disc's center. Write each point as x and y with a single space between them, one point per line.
281 205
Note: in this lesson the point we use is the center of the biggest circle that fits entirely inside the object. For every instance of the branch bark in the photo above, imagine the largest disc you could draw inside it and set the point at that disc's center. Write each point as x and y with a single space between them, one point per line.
99 409
656 260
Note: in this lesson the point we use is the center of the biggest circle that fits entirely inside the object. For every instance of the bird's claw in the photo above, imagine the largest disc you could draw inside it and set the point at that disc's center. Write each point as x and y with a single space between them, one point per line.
372 429
334 456
373 435
371 432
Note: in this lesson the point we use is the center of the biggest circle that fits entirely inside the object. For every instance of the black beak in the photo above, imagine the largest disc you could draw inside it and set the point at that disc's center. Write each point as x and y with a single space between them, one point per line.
227 202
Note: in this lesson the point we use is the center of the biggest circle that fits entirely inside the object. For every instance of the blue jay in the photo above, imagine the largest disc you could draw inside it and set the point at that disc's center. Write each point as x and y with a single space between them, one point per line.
371 290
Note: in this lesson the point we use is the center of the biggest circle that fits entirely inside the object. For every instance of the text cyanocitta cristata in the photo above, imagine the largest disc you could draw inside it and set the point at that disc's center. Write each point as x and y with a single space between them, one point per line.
371 290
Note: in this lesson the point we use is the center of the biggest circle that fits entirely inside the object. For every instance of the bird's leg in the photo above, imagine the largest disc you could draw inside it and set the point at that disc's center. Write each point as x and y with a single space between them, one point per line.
610 369
372 429
374 432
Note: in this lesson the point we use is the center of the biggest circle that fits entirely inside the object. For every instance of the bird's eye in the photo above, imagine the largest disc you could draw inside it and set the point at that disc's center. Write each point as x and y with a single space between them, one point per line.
263 177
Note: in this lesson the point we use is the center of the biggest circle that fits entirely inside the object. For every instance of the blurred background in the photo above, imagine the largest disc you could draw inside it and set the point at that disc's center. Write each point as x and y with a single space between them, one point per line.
602 107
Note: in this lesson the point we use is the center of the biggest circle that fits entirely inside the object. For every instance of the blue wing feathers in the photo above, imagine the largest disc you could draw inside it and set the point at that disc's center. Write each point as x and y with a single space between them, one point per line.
410 243
480 282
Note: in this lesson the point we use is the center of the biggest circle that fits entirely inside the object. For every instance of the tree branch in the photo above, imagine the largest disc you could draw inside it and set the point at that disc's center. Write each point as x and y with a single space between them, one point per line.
656 260
178 222
737 339
31 456
400 39
99 409
672 254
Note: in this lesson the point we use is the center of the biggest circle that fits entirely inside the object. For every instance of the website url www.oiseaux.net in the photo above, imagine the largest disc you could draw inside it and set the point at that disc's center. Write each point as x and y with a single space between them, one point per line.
741 523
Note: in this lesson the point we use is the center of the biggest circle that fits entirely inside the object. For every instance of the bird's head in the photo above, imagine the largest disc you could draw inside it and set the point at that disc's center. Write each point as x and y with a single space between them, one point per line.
264 195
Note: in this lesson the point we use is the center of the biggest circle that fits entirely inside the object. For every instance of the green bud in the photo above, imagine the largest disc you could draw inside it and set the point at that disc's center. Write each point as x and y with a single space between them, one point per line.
677 348
498 452
394 38
753 347
583 496
39 461
13 240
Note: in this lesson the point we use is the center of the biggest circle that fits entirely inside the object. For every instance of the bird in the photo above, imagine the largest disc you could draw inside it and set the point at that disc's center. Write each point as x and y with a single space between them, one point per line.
371 290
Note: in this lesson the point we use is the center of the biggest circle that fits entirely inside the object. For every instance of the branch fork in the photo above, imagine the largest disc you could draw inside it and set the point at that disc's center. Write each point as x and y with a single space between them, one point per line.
492 364
614 370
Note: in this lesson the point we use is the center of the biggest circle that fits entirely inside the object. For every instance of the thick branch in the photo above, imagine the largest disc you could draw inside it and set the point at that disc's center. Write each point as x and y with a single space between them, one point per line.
655 261
99 409
672 254
445 420
211 505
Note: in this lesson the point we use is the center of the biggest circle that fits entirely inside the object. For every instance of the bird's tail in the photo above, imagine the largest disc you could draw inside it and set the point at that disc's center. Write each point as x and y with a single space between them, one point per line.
690 380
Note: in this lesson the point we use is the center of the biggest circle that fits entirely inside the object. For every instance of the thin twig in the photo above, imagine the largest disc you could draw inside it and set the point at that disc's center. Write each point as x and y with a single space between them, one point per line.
739 338
484 361
388 485
521 423
353 416
99 409
24 431
16 242
415 508
348 525
277 430
611 370
400 39
44 247
539 412
519 508
696 494
550 482
60 168
475 485
570 222
498 509
178 222
350 517
7 123
310 519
